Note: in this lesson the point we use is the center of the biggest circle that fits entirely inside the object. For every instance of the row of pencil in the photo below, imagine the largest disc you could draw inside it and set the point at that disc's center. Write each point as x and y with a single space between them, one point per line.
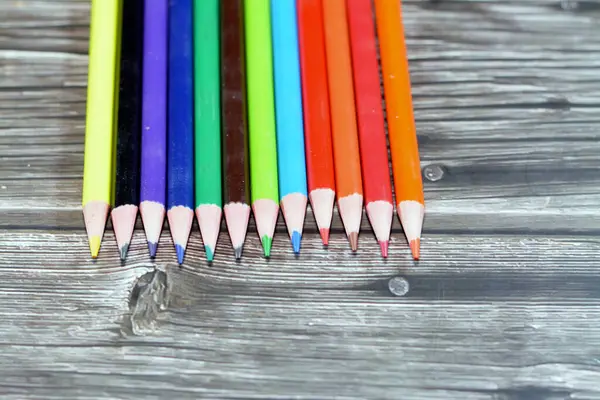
220 106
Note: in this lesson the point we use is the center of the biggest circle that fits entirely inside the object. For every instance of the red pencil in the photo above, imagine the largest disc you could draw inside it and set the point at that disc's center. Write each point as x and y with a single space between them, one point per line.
371 129
317 120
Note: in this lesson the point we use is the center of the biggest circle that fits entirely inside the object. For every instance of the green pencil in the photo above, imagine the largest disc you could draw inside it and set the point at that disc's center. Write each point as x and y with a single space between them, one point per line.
207 122
261 120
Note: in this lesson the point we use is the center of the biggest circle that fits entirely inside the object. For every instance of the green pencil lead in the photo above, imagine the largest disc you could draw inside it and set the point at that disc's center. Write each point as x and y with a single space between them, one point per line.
209 253
266 243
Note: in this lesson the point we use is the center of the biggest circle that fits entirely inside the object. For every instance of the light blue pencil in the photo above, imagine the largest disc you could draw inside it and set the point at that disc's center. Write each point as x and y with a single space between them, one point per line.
291 162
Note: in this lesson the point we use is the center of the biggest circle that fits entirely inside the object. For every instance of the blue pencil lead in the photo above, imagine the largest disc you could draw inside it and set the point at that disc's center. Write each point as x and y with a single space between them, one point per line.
296 239
180 253
152 248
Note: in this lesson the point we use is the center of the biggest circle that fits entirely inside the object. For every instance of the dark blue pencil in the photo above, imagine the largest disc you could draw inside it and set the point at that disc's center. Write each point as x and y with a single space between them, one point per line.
180 176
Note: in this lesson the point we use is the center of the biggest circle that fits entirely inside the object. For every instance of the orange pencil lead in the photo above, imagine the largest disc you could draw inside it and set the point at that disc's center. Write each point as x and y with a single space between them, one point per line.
324 236
415 248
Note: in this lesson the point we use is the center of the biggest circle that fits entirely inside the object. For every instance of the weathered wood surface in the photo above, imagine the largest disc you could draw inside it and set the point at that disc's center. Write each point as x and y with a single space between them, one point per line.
503 305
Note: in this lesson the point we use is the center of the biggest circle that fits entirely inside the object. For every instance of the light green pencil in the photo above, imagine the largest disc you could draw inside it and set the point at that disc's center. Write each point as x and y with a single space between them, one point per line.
207 113
261 119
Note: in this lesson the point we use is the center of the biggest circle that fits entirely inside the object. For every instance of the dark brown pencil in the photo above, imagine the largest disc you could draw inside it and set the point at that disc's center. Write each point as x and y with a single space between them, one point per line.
236 188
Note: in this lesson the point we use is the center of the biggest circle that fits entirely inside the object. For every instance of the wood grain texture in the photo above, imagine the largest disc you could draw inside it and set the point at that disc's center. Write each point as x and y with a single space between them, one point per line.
502 306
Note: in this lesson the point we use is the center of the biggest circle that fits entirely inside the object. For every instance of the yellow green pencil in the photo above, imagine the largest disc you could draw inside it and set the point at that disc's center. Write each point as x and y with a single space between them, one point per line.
261 119
105 26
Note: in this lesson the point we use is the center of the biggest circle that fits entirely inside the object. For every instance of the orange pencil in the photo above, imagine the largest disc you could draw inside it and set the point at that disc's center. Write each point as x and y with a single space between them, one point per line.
317 121
343 118
401 123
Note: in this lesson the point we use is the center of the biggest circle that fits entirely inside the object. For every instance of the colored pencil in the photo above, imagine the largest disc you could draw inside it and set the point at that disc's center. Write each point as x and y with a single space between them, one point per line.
346 153
180 154
404 148
261 119
291 162
154 121
100 126
371 129
317 122
236 178
207 126
127 186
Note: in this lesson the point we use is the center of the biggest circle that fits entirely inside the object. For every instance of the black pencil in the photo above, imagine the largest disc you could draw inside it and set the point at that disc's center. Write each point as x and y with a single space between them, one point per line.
127 190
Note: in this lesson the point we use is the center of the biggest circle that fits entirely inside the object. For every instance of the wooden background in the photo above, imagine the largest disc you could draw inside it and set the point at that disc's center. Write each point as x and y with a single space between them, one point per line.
503 305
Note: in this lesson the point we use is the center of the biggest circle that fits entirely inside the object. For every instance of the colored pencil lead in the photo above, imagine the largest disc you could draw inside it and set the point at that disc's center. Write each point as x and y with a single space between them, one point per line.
123 251
266 244
180 250
324 236
237 251
415 248
296 239
353 236
152 248
210 255
384 245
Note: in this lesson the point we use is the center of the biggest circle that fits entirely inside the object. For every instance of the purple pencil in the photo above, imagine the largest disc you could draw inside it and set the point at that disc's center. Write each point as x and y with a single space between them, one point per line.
154 121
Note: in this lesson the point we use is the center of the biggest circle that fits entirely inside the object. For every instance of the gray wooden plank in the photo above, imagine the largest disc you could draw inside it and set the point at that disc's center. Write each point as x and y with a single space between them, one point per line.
506 112
295 328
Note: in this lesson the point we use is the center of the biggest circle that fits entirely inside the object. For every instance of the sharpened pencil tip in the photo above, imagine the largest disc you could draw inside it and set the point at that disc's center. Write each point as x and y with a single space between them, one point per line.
180 253
209 253
296 239
353 237
94 246
123 251
152 248
384 245
324 236
415 248
238 253
266 244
